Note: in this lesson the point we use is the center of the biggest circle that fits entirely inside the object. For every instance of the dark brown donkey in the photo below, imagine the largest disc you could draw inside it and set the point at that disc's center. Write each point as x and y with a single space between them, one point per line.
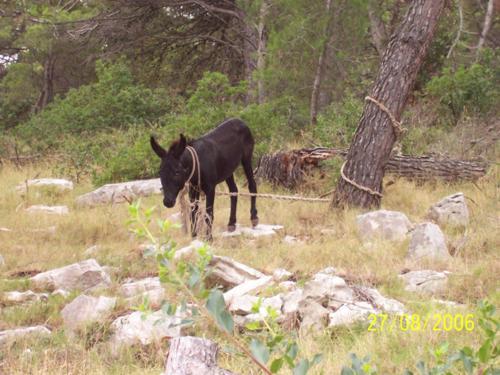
219 152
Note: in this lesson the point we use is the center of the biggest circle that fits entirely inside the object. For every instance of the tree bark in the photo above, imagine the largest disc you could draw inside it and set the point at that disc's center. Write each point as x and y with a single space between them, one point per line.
377 29
486 27
320 67
375 136
193 355
250 44
261 50
47 93
289 169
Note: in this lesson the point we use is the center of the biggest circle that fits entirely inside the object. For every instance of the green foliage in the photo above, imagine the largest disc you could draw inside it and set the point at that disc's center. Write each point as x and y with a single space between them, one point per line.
417 139
337 124
113 101
125 156
18 93
468 88
269 343
215 100
484 358
79 156
359 366
273 122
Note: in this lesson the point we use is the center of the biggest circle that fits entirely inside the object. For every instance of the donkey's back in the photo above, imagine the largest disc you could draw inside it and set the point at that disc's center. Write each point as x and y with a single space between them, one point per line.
224 148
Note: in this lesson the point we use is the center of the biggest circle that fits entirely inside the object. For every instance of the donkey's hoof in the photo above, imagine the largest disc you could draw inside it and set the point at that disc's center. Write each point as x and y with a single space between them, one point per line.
255 222
231 228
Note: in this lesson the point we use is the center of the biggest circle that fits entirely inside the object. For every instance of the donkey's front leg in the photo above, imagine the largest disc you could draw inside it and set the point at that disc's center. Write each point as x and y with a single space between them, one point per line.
209 219
194 198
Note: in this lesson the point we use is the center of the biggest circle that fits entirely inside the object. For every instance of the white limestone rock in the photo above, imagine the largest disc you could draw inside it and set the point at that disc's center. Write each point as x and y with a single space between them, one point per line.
12 335
425 281
23 297
54 183
120 192
86 309
380 302
350 313
383 224
242 305
451 211
327 289
228 273
281 274
84 275
314 315
248 287
261 230
51 210
138 328
188 250
288 285
61 292
149 288
427 242
291 301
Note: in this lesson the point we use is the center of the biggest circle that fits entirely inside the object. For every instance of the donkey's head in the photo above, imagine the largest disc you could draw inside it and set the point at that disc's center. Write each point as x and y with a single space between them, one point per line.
173 174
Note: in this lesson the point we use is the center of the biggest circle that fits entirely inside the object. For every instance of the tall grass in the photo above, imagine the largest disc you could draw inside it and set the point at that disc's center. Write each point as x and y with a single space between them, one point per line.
32 246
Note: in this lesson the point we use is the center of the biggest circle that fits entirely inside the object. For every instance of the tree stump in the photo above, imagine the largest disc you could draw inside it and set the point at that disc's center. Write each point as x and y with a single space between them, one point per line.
190 355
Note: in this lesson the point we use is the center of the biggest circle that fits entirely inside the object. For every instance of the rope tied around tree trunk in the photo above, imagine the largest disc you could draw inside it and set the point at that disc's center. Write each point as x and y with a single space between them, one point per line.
398 128
360 187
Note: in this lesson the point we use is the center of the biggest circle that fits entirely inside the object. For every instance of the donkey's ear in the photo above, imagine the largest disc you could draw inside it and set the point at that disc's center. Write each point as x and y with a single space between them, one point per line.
160 151
178 147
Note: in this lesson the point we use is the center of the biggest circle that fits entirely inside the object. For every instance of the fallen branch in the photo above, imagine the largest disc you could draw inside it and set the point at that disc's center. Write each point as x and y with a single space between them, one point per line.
289 169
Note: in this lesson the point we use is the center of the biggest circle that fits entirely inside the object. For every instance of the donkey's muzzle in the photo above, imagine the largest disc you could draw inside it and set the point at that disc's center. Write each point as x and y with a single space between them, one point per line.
169 203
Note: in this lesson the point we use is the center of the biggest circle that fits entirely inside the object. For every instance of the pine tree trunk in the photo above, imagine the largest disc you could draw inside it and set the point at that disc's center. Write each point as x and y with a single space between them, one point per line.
375 136
250 44
261 50
486 27
320 67
47 93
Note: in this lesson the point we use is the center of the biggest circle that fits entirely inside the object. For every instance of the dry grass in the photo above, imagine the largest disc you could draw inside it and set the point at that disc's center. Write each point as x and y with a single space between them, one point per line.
29 246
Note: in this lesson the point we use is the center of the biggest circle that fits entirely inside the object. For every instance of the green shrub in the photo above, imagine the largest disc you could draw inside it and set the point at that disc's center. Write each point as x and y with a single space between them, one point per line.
17 94
471 89
126 156
418 139
273 123
113 101
215 100
337 124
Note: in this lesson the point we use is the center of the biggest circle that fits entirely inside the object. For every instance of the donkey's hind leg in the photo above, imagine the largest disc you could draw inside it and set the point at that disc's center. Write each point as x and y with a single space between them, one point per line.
252 187
231 226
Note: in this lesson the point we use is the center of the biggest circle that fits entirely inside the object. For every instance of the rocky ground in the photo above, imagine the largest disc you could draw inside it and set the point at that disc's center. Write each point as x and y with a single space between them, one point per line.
96 290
